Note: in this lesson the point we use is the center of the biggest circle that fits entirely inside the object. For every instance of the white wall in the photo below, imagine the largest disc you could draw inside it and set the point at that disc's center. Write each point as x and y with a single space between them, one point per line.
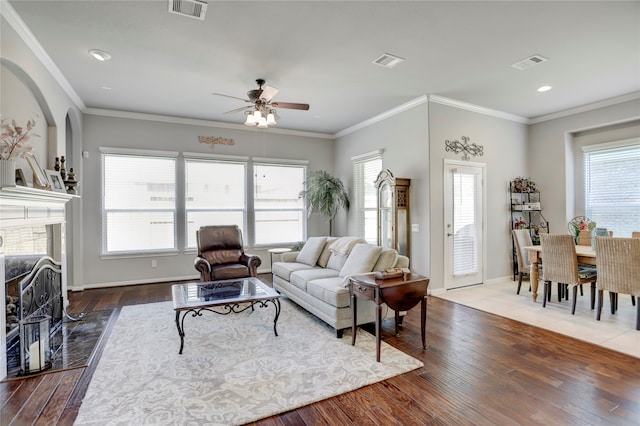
406 155
138 133
505 155
552 155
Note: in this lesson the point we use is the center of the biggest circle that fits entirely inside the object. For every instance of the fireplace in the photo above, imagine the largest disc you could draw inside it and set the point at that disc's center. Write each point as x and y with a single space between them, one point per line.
32 259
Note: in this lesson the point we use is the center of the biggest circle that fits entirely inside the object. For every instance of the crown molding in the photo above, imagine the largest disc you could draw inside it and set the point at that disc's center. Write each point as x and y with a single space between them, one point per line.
381 117
10 15
585 108
477 108
197 122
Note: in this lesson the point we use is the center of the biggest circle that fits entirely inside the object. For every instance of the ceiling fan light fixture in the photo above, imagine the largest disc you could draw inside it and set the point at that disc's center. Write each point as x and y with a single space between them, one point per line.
271 119
257 116
262 124
251 120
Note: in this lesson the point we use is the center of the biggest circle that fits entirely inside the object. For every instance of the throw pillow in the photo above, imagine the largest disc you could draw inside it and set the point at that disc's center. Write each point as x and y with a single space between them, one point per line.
326 252
361 259
311 251
387 259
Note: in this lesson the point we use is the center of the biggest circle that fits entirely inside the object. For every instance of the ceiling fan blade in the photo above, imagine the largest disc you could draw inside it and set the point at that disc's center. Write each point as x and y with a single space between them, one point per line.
233 111
232 97
268 92
290 105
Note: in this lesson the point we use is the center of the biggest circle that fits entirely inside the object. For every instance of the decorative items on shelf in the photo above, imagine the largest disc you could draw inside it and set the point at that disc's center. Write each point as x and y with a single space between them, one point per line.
13 145
526 212
69 178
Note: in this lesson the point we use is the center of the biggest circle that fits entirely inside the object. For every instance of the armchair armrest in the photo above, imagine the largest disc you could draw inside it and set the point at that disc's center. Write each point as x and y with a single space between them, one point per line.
203 267
252 261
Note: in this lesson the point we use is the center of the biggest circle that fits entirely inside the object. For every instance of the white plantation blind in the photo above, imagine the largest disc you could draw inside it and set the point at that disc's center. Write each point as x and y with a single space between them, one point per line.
279 211
465 252
138 202
365 171
215 194
611 174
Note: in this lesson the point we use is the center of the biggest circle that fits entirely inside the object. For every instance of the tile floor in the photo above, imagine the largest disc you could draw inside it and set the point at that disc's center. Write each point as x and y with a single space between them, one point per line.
616 332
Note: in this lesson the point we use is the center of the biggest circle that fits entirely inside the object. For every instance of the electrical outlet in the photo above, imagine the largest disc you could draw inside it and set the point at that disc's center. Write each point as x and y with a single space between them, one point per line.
154 263
415 227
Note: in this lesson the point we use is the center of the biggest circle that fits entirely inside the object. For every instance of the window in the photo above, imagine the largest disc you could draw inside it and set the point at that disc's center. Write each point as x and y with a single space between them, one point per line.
611 199
215 194
139 201
279 211
366 168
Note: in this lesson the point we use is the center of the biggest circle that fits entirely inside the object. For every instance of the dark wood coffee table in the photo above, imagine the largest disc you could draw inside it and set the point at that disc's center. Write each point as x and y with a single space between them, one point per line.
229 296
400 294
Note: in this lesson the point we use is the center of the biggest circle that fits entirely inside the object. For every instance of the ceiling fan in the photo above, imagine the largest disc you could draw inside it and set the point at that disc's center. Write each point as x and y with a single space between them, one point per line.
263 111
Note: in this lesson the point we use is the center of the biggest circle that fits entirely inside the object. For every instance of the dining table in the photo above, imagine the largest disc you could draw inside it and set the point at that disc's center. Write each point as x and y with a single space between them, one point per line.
585 254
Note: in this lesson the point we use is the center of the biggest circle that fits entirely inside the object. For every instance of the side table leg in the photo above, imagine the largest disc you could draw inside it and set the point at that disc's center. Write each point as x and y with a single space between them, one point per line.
397 322
354 317
378 329
423 321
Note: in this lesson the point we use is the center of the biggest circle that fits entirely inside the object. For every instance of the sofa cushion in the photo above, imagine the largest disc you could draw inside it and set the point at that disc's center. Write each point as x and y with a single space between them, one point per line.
387 259
344 245
302 277
284 269
326 252
311 250
336 261
331 291
361 259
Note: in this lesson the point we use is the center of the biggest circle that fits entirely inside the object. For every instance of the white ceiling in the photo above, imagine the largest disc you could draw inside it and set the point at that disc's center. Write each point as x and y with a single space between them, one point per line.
321 53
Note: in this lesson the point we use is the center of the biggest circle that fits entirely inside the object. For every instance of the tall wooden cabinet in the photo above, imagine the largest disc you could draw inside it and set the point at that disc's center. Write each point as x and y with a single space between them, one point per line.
394 226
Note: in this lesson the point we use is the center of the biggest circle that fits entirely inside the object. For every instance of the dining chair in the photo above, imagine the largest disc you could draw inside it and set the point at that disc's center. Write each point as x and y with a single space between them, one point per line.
522 238
560 265
618 261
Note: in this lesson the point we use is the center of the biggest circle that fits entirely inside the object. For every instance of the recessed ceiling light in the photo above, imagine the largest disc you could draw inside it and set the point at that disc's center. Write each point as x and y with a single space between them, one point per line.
544 88
100 55
105 88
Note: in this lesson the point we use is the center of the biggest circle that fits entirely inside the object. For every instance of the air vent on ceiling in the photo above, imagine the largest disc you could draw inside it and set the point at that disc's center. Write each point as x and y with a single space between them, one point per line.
388 60
529 62
190 8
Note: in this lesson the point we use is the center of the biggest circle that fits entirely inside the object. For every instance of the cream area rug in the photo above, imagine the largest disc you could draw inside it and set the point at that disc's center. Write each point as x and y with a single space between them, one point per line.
233 369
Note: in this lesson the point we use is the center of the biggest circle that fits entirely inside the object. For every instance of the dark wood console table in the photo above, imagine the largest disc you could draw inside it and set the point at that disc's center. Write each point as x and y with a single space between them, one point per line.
400 294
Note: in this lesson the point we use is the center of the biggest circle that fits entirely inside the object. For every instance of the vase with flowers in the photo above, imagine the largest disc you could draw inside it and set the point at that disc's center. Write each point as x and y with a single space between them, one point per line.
13 145
580 224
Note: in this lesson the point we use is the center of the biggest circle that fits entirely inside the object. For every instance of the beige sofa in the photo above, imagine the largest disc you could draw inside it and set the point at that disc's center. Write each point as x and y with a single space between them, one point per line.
317 277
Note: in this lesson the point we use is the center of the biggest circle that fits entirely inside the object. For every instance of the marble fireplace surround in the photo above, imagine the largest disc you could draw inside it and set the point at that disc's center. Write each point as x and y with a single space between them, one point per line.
21 207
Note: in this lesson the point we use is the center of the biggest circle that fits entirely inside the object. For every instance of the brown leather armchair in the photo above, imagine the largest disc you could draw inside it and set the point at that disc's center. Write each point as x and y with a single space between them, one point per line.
221 254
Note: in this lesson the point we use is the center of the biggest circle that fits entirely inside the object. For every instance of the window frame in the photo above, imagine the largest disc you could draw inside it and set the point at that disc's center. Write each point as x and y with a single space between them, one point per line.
219 159
359 165
258 161
145 154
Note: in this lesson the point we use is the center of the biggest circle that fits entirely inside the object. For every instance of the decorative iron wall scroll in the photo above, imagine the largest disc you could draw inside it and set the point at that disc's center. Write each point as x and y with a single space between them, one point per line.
465 147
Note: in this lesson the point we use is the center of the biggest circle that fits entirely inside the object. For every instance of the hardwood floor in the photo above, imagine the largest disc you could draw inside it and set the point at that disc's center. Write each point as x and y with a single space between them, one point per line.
479 369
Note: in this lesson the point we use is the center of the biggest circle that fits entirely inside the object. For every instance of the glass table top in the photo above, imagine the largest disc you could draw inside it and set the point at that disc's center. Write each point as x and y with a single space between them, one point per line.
215 293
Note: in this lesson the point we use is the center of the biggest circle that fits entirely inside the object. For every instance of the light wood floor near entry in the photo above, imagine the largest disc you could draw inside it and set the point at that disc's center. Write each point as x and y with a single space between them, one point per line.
479 369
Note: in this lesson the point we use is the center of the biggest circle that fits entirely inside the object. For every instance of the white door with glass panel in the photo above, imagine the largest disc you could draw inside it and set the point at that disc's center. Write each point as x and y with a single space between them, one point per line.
463 224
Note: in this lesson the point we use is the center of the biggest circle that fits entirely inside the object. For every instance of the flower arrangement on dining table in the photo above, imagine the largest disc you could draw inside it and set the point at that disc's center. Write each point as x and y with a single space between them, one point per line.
14 139
579 224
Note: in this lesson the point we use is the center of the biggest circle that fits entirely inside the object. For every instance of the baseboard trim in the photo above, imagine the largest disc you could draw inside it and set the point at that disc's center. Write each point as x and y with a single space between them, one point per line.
134 282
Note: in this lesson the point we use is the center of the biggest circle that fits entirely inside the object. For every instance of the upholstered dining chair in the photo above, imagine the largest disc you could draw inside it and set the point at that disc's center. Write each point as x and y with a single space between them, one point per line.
522 238
221 254
560 265
618 261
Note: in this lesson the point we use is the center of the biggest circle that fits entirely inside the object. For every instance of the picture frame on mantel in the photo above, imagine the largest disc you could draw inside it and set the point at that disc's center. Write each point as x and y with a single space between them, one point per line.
55 180
39 177
20 179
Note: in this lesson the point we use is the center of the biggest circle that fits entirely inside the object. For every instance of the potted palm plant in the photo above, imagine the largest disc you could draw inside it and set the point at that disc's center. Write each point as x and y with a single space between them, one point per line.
325 194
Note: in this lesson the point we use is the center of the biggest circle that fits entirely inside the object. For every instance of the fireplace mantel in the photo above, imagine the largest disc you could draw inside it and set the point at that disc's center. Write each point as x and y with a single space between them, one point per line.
25 206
